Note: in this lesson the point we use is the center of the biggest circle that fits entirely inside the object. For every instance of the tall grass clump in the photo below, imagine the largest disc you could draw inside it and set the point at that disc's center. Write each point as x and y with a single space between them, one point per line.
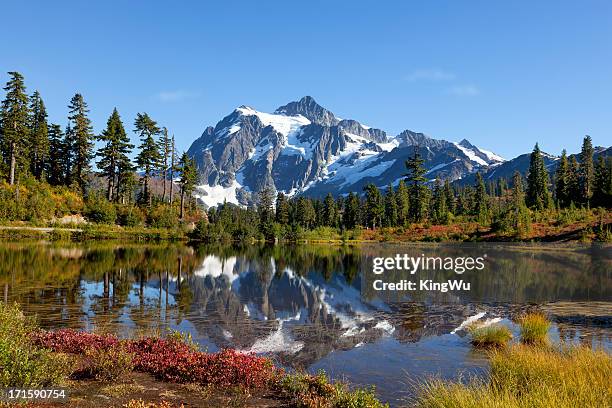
534 328
524 376
493 336
21 363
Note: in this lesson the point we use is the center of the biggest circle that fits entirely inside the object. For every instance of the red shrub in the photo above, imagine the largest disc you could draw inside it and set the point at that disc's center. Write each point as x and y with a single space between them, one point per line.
169 360
72 341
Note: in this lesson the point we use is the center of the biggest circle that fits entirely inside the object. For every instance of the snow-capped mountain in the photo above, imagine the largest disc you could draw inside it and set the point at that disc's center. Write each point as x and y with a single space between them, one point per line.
302 148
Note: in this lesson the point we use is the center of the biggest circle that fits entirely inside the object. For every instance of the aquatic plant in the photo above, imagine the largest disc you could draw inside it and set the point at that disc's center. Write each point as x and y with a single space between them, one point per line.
534 328
495 335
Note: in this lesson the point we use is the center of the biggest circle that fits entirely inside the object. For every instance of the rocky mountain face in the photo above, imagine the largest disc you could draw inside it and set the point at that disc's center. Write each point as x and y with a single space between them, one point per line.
303 148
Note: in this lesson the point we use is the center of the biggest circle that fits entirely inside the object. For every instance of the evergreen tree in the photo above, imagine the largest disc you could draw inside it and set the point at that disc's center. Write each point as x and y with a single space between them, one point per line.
391 216
39 137
82 140
573 182
329 211
419 193
520 214
538 196
114 154
562 181
173 164
481 207
440 208
374 207
282 208
55 169
67 155
587 170
265 201
306 215
189 178
403 203
165 148
14 126
149 157
351 213
449 195
602 185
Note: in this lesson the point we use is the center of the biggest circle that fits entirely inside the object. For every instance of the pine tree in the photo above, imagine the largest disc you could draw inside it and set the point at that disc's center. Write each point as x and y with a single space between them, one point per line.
351 212
149 157
114 154
573 182
282 208
562 181
39 137
306 214
419 193
587 170
82 141
538 196
439 206
520 214
189 178
265 201
55 168
403 203
481 208
173 164
390 207
14 126
602 185
449 196
374 207
329 211
165 148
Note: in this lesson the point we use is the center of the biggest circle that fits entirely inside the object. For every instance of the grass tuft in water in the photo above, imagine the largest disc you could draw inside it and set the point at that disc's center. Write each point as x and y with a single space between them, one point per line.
534 328
493 336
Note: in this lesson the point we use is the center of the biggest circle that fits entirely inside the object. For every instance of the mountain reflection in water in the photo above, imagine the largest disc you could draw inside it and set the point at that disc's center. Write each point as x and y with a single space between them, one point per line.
303 305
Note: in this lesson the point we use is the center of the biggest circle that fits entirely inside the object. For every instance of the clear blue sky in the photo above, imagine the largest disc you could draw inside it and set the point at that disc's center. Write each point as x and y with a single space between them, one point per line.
502 74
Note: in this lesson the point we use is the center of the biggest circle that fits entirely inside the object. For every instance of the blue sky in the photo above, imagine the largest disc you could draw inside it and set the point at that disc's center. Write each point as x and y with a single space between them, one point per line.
503 75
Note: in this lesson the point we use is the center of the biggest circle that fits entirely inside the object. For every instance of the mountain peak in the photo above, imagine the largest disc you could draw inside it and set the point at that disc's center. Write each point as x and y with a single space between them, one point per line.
310 109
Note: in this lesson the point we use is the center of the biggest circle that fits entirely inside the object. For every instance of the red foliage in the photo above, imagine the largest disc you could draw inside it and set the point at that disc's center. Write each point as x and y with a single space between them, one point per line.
72 341
170 360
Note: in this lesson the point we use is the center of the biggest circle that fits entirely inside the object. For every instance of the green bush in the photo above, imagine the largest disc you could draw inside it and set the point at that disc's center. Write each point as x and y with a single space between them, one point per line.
99 210
163 216
108 365
130 216
22 364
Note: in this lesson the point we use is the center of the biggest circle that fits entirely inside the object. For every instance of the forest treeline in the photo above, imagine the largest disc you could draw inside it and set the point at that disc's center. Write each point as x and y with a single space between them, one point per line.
47 172
506 206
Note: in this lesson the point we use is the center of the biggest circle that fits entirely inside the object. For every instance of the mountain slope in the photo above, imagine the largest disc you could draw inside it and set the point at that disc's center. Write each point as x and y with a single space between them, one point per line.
303 148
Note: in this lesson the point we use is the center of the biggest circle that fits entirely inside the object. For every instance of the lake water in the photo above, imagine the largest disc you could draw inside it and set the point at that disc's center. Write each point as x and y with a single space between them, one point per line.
311 307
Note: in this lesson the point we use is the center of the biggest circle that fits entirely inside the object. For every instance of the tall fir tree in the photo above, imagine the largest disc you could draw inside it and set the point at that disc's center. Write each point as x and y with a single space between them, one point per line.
149 157
265 203
39 137
55 169
82 141
189 178
282 208
587 170
173 164
351 212
391 216
602 185
14 127
374 206
419 193
562 181
403 203
538 196
165 148
439 205
330 211
520 214
573 182
114 154
481 201
449 195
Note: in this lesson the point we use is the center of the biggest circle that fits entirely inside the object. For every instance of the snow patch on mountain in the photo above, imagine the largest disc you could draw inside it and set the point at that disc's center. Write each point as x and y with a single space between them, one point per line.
471 154
213 195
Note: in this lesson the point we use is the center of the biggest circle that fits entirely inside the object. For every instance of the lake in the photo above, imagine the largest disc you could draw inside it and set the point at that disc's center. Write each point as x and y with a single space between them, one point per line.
313 307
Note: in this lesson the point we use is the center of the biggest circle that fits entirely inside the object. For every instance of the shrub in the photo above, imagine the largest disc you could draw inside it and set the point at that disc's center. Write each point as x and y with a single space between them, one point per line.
130 216
100 210
534 328
495 335
72 341
107 365
163 216
21 363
